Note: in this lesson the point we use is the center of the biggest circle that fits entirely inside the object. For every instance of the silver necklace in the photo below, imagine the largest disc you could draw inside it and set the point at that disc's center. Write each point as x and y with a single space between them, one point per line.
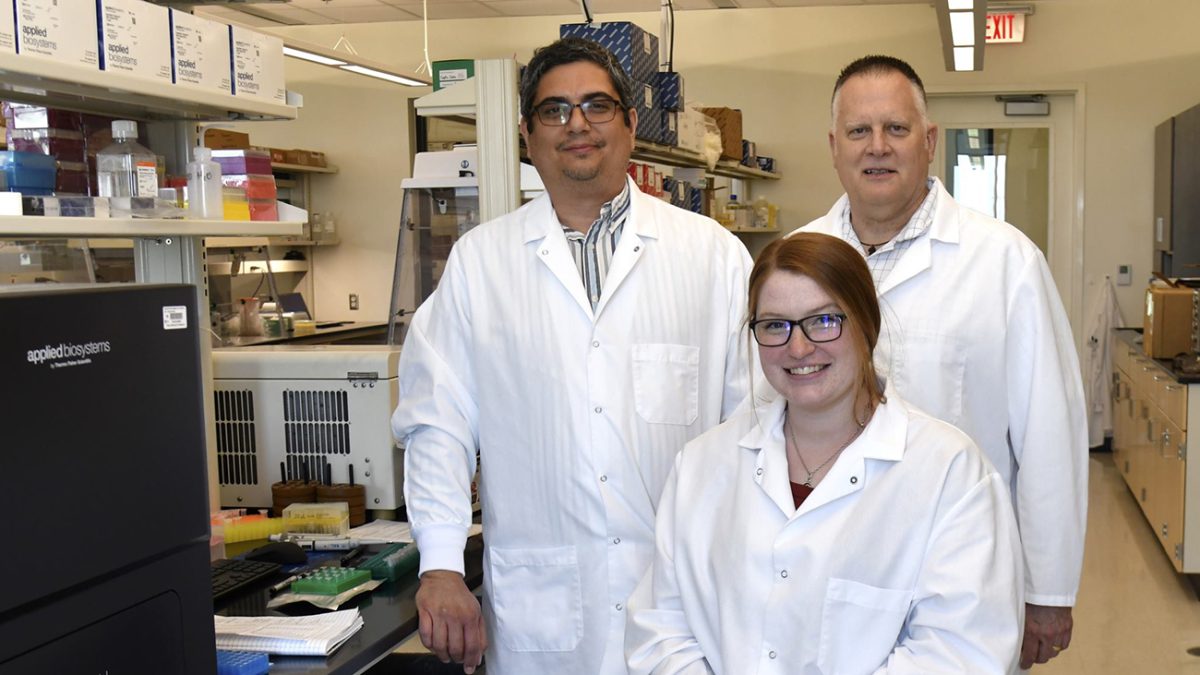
796 446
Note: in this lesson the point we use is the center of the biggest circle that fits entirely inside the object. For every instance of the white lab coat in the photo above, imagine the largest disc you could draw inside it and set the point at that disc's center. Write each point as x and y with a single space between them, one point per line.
975 334
904 559
1103 318
577 415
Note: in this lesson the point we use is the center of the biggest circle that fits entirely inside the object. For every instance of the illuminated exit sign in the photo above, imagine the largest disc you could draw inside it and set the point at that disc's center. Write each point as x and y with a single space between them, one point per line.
1002 28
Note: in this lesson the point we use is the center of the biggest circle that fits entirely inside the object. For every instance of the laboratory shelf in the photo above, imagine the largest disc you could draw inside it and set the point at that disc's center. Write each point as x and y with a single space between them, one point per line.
672 156
43 227
31 79
301 168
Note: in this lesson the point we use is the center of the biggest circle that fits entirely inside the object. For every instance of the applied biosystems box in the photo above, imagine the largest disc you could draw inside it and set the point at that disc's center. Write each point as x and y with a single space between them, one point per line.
200 53
8 33
135 39
63 30
257 65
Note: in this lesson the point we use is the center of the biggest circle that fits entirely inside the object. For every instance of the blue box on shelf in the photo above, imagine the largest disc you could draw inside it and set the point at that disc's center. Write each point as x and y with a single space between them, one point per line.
649 124
669 90
29 173
766 163
635 49
668 127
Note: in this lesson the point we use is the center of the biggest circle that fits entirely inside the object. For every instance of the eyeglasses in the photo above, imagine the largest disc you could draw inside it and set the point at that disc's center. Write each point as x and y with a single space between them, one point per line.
817 328
595 111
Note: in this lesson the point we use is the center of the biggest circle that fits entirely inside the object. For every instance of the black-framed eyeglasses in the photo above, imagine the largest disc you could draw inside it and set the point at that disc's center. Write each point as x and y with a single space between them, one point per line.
817 328
595 111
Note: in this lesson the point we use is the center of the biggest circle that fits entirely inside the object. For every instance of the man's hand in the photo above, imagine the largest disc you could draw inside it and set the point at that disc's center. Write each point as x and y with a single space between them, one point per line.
451 624
1047 632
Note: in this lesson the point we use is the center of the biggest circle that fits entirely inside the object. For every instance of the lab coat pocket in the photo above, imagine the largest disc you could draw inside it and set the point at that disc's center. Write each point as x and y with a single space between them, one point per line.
929 371
536 598
860 625
666 383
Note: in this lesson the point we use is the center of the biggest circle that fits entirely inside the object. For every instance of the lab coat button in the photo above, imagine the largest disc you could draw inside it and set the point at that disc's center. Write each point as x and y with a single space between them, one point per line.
758 472
603 479
545 252
595 343
771 654
616 540
854 480
783 574
599 409
636 249
620 606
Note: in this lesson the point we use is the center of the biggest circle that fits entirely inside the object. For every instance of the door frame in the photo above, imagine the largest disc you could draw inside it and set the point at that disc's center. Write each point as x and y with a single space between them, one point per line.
1073 296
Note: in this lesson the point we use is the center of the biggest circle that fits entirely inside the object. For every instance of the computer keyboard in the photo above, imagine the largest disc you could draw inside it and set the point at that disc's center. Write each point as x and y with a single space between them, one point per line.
229 576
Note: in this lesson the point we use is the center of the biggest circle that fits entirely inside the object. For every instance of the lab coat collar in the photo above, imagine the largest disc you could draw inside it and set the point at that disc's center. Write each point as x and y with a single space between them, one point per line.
541 225
883 439
542 222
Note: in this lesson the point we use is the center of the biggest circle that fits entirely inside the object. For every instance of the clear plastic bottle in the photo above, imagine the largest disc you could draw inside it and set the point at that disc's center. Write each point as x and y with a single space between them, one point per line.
204 186
126 168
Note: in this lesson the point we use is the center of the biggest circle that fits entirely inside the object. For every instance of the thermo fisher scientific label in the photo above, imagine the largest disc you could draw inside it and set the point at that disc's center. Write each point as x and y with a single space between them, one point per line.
257 65
135 39
201 53
63 30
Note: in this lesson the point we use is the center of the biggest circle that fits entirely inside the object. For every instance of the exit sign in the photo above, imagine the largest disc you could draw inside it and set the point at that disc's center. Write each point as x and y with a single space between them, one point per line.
1002 28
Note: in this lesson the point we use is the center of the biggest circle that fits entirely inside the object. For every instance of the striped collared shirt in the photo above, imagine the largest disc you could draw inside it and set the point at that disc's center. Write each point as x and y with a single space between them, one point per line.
594 251
883 259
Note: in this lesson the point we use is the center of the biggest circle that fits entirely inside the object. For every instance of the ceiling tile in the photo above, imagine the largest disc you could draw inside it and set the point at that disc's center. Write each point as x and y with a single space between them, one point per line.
225 14
534 7
319 5
286 13
365 14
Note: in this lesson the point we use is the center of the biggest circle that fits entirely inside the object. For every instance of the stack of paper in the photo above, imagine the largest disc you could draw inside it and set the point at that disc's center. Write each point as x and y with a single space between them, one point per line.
317 635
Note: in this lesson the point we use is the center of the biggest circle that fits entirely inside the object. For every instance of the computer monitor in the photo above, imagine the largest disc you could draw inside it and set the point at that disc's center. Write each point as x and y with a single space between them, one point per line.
294 302
106 564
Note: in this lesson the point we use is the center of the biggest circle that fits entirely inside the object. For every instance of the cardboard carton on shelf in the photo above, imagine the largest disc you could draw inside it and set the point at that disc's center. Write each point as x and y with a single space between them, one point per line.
729 121
224 139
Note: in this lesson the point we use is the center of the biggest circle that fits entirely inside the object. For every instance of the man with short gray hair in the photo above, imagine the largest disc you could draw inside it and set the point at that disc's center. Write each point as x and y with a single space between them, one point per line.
974 331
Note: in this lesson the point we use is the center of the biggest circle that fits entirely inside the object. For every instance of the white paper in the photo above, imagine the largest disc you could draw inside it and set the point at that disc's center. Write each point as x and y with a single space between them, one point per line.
316 635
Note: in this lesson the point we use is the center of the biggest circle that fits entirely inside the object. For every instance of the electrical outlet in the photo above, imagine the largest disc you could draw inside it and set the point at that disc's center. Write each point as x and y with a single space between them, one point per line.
1124 275
354 301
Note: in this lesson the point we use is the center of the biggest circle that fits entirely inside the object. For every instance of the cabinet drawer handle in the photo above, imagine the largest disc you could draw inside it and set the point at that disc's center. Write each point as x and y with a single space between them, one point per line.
1159 378
1174 387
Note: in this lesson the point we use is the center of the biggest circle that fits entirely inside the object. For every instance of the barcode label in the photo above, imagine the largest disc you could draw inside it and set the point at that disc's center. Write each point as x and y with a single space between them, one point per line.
174 317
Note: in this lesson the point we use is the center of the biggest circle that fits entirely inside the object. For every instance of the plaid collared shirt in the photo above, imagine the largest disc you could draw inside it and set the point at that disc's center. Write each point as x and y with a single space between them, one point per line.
883 259
594 251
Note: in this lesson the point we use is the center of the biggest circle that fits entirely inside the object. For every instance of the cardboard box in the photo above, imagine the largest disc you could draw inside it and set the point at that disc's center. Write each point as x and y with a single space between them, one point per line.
668 131
200 53
692 129
1168 322
224 139
278 155
446 73
62 30
729 121
257 65
635 49
8 33
135 39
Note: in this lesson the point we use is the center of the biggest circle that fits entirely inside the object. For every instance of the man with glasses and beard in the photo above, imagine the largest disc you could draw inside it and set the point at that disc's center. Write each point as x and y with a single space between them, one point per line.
577 343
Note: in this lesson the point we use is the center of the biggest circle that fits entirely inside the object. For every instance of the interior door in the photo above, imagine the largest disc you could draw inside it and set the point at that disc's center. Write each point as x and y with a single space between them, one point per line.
1020 170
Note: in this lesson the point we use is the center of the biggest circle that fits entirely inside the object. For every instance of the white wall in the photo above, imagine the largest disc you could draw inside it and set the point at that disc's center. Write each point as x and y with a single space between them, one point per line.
1136 67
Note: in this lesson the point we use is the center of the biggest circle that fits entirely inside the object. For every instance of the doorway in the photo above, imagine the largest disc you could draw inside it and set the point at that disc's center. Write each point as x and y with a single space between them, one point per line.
1019 169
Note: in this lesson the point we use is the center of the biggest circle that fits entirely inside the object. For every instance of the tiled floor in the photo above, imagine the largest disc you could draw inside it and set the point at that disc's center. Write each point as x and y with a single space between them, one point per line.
1135 616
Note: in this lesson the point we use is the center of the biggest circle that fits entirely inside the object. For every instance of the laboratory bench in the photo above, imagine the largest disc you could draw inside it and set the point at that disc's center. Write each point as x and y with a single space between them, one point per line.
389 616
1153 406
333 332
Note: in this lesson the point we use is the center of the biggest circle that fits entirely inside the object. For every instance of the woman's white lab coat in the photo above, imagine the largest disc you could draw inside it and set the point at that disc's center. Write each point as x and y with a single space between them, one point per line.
577 415
974 333
905 559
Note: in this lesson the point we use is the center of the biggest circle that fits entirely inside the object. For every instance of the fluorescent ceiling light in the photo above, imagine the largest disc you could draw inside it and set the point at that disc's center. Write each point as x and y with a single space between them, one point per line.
382 75
309 56
962 28
964 58
956 5
353 63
